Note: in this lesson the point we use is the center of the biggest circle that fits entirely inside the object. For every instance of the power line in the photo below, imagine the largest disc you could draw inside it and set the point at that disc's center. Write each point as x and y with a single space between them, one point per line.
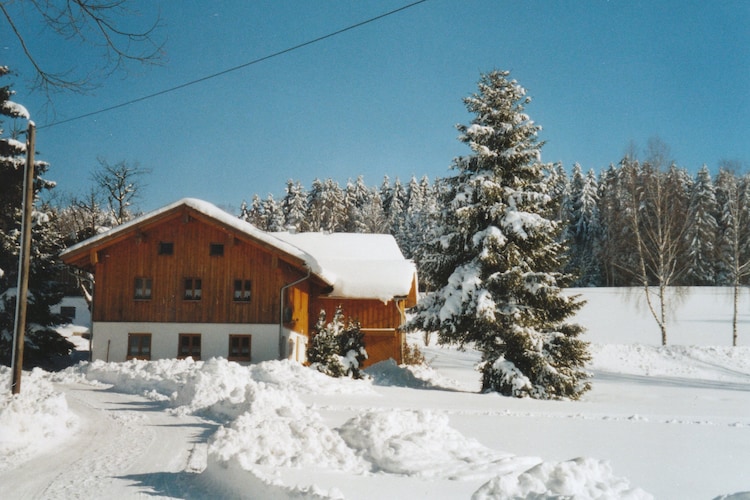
235 68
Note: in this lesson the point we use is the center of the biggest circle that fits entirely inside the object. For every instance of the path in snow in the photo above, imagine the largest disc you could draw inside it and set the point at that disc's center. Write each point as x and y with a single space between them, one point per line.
127 446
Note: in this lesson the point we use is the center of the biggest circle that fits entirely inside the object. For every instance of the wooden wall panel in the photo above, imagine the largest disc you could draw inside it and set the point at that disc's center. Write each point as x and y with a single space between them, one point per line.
379 323
370 313
137 256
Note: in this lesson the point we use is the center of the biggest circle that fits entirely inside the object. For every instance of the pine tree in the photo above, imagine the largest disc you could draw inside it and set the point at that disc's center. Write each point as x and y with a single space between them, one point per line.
703 231
254 213
397 209
357 199
498 256
294 206
273 216
337 348
315 209
323 352
43 345
583 228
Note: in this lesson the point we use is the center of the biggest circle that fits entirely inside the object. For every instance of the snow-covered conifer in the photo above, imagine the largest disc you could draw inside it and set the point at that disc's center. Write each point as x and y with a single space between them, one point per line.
583 228
43 346
496 260
294 206
273 214
703 230
337 348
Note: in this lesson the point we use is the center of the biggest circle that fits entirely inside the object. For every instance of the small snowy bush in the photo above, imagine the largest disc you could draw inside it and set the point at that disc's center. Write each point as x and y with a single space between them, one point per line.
337 348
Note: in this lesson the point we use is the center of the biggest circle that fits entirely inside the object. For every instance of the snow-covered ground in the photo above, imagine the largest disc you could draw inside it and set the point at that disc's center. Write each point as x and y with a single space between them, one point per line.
671 423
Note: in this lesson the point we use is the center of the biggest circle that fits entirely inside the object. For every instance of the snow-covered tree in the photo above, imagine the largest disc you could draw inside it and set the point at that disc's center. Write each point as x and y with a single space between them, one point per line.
734 193
397 210
583 228
43 345
273 214
326 211
497 258
357 199
254 213
294 206
703 230
412 227
337 348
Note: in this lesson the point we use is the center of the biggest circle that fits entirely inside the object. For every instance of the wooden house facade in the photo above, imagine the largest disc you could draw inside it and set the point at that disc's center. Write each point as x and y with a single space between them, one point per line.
192 280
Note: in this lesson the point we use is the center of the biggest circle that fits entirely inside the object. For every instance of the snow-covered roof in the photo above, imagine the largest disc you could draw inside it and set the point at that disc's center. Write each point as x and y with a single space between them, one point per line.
364 265
355 265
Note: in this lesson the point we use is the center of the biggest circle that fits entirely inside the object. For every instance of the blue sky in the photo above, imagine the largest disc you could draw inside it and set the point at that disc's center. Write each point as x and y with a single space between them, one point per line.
384 99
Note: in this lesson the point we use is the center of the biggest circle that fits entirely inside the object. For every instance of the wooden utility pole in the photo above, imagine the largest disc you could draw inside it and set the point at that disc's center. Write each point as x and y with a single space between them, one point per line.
24 259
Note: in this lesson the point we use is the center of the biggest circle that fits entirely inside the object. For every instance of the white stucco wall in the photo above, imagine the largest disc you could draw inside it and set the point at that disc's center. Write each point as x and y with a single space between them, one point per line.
83 315
110 340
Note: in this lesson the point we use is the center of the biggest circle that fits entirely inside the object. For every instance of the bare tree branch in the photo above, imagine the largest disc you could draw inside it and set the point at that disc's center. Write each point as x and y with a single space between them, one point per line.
99 23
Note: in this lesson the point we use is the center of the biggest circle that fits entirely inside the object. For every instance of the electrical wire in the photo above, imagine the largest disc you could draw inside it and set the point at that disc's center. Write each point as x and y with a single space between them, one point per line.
235 68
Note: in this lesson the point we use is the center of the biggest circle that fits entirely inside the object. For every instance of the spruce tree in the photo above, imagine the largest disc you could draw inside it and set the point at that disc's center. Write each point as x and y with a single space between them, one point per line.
43 345
337 348
583 228
294 206
497 258
703 230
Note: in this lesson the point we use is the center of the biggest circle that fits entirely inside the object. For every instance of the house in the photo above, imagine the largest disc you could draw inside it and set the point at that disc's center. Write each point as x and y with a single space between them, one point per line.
192 280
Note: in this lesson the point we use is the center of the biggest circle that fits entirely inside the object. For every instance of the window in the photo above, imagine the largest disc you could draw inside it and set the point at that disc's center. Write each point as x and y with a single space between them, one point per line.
192 289
216 249
68 312
239 348
166 248
189 346
143 288
242 290
139 346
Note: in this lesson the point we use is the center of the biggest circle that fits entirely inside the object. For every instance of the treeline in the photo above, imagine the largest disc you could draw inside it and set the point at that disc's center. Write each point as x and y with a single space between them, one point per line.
635 221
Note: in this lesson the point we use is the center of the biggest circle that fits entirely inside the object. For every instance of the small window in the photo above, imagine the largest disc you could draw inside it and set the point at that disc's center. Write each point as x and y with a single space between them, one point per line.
189 346
193 289
242 290
166 248
240 348
216 249
68 312
139 346
142 288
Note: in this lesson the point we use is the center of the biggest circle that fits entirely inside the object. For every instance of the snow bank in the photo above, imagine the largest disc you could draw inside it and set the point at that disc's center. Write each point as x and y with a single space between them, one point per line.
421 443
37 419
581 478
217 388
277 429
720 363
237 482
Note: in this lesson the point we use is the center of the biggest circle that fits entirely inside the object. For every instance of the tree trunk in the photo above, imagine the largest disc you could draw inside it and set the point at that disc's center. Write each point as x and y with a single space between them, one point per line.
734 312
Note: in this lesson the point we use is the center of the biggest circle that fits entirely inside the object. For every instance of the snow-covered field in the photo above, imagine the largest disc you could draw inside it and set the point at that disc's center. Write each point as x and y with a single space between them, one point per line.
671 423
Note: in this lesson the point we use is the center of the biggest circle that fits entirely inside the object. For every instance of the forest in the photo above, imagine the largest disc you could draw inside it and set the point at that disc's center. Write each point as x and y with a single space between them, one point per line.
634 218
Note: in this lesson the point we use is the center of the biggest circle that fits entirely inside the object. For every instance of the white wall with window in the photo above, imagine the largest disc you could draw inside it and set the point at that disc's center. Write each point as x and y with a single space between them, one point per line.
110 339
76 309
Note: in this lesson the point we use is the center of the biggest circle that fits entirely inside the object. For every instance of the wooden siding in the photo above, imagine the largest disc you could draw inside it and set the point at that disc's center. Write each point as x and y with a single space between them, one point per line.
379 322
118 265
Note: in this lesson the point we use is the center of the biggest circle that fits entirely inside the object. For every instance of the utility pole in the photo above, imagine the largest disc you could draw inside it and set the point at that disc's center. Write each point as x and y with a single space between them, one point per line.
24 259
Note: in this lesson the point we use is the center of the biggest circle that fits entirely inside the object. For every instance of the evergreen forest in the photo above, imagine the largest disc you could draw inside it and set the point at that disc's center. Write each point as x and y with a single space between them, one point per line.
695 228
